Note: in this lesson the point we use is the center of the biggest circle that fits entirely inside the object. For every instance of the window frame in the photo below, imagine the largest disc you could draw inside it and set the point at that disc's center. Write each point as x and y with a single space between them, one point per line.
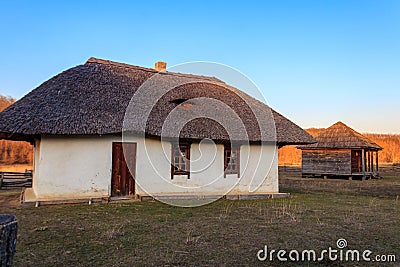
227 165
174 169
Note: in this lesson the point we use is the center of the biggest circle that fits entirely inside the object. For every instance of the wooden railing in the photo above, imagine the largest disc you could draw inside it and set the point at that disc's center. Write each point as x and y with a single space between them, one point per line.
15 179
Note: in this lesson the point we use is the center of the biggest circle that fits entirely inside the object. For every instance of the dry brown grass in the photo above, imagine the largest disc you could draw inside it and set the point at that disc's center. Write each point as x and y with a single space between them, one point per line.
114 232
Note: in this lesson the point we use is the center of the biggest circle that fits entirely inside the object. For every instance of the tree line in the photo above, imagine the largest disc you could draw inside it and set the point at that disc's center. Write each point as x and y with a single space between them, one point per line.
14 152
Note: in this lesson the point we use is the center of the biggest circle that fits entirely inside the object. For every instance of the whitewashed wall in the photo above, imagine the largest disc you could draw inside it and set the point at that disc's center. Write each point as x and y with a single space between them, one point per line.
80 167
68 168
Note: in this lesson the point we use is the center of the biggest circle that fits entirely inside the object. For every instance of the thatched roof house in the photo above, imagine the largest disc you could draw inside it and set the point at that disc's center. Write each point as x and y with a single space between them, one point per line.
340 151
75 120
92 99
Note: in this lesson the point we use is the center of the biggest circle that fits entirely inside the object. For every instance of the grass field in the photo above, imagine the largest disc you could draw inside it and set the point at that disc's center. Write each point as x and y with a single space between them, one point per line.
224 233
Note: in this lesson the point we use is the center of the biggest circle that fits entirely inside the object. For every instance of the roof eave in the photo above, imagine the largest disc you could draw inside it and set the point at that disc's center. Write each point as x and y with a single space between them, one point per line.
17 137
302 147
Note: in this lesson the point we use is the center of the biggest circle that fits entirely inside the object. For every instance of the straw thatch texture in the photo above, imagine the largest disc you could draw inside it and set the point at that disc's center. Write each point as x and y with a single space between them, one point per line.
92 99
340 135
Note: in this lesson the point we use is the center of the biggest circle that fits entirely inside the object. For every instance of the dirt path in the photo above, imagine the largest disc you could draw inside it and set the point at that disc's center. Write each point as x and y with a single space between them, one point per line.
10 199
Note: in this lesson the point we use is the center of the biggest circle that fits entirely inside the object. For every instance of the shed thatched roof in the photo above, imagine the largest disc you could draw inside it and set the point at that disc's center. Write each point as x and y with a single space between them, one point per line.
92 99
339 135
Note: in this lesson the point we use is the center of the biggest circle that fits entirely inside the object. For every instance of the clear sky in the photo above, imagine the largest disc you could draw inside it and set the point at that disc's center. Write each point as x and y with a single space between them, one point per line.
316 62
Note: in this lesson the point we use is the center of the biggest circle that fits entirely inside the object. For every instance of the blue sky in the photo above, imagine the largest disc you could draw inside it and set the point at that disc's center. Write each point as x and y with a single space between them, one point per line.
316 62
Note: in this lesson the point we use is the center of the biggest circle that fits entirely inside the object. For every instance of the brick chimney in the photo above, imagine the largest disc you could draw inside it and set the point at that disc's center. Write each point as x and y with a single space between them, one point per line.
160 66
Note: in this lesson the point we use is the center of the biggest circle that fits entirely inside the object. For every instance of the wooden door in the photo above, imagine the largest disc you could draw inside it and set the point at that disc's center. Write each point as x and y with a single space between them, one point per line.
356 161
123 178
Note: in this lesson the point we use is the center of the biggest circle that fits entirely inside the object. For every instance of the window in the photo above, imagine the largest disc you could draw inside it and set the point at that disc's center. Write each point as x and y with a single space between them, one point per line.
178 101
180 160
231 160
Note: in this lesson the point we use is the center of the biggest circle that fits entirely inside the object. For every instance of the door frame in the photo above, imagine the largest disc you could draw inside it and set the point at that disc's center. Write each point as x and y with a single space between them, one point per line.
121 175
356 157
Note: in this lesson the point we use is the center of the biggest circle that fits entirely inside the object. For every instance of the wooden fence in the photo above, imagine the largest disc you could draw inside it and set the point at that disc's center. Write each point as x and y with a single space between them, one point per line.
15 179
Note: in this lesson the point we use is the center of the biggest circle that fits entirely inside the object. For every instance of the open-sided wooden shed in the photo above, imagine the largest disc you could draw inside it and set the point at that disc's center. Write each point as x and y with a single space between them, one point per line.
340 151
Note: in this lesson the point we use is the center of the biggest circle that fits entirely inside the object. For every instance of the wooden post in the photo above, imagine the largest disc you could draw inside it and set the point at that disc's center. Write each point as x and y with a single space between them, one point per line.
377 168
363 161
8 239
1 179
369 161
372 162
369 152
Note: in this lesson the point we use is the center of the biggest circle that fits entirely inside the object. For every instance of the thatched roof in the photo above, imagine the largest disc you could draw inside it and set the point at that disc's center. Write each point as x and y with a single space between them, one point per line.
92 99
339 135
